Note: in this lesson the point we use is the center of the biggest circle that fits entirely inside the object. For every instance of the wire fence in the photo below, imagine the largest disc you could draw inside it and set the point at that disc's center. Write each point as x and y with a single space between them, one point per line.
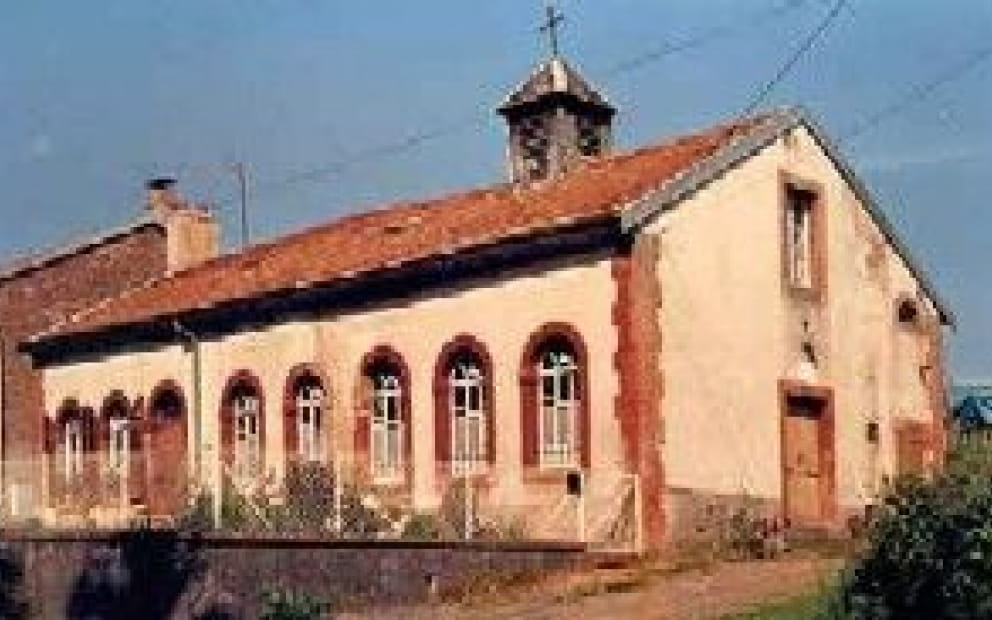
325 500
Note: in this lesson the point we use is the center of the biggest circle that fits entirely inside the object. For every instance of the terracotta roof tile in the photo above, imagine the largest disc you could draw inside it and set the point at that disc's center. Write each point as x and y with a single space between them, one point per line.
379 239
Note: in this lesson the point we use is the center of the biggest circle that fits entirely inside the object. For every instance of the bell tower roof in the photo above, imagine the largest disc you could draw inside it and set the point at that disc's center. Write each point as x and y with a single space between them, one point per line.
554 79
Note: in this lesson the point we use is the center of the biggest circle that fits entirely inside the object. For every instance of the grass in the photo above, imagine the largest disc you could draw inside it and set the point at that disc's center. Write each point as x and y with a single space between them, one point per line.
808 606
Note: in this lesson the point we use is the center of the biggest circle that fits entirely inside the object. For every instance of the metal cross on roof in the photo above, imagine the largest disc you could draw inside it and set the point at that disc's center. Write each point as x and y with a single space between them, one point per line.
555 19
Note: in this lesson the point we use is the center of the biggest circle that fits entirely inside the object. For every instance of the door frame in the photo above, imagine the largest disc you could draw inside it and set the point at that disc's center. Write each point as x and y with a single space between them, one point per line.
826 445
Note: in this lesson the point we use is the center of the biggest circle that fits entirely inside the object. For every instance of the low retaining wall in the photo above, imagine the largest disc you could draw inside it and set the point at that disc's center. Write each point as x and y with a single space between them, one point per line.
161 574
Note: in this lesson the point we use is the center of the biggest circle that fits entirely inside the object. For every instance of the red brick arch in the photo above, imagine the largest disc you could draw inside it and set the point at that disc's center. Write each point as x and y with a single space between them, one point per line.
297 375
168 440
115 405
462 343
529 415
240 379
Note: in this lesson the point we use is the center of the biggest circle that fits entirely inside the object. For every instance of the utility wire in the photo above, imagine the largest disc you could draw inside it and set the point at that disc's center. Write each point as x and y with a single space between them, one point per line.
395 148
919 93
803 48
703 38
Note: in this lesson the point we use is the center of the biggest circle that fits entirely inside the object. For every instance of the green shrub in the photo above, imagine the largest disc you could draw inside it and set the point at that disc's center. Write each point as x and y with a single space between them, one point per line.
288 605
197 517
929 555
422 526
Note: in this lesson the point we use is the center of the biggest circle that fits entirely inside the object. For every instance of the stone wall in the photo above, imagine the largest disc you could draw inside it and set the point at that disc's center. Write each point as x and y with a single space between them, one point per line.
166 575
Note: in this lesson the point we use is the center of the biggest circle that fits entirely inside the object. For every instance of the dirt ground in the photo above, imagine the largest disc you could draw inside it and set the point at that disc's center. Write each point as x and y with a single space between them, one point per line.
646 592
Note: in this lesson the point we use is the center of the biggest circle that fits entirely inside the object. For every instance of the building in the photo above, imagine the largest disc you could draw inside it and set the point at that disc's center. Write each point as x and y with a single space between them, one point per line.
971 410
719 318
39 292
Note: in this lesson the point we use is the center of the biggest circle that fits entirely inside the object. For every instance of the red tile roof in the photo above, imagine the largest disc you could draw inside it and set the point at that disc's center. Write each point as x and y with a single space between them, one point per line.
406 232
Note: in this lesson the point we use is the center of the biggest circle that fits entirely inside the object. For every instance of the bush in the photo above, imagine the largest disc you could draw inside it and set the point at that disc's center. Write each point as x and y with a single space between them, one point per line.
929 555
287 605
422 526
197 517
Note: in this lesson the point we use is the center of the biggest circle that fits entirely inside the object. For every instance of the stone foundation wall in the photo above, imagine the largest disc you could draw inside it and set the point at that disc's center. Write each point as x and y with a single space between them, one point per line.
166 575
696 517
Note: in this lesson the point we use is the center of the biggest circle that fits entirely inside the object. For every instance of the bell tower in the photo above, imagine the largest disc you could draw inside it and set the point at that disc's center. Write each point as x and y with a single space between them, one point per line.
555 118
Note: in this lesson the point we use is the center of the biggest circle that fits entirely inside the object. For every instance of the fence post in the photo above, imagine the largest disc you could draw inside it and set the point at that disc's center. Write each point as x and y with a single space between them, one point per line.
638 514
581 508
467 517
218 495
337 495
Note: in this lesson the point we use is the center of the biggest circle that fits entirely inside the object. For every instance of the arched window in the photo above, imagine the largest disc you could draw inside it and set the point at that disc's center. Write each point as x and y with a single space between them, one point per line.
167 404
167 418
555 427
243 429
387 422
559 402
119 448
310 402
73 447
463 423
466 395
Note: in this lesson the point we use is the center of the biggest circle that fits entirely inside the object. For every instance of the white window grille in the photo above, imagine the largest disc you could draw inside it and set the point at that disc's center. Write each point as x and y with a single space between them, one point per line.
468 420
799 237
559 408
73 449
119 451
309 414
247 438
387 427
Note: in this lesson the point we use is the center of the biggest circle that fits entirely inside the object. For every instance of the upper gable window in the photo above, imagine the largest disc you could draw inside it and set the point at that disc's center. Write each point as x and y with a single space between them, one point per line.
907 312
801 251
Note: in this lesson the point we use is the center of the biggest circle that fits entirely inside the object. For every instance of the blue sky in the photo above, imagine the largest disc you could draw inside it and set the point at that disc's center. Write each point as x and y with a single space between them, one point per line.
98 96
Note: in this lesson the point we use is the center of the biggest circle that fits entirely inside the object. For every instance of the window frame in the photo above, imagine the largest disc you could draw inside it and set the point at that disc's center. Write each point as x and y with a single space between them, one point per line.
118 456
386 419
536 468
247 463
475 418
242 383
309 432
73 459
558 453
813 285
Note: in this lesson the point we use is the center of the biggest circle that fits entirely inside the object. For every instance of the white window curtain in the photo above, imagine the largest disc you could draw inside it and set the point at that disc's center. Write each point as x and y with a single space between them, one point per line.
247 438
73 449
799 242
387 427
310 403
468 420
119 450
559 408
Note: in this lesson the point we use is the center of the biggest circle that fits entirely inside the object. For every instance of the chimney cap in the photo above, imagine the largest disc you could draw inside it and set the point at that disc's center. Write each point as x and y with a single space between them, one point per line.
160 183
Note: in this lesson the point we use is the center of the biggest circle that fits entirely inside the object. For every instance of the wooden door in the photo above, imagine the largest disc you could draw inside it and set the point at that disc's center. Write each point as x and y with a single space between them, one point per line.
167 475
803 465
167 479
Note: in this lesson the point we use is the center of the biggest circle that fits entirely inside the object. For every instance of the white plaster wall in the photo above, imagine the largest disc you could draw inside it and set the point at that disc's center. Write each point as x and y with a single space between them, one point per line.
726 337
502 313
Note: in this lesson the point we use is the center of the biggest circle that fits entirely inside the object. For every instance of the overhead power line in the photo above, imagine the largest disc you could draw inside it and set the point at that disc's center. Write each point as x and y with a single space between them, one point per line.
919 93
800 51
704 38
415 140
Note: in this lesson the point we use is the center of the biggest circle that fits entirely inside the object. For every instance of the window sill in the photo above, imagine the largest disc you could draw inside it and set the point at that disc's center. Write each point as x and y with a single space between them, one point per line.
802 293
481 477
549 474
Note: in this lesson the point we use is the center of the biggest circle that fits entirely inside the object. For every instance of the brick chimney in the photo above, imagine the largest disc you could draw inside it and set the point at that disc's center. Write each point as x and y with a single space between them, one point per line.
192 232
